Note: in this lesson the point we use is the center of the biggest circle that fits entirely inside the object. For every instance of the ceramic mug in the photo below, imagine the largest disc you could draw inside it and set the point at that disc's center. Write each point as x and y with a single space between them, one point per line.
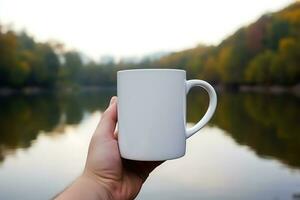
152 113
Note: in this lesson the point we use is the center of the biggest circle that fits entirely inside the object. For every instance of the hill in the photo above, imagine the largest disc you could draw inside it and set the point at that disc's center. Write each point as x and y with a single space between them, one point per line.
265 52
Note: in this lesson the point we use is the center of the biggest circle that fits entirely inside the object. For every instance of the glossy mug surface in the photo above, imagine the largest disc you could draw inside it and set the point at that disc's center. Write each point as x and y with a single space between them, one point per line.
152 113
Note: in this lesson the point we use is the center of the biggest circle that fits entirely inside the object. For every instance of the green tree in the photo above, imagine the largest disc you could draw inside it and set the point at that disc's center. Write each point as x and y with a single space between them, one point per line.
259 69
73 64
276 29
45 66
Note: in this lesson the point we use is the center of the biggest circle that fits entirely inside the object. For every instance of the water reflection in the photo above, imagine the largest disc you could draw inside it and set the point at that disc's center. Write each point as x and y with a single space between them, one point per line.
22 118
265 123
268 124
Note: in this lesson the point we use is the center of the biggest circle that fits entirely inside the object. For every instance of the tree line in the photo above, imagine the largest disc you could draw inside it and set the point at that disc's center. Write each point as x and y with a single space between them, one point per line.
27 63
266 52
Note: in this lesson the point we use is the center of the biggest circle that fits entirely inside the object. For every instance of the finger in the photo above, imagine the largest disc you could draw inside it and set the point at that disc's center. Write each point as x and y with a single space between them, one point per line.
107 124
116 133
113 100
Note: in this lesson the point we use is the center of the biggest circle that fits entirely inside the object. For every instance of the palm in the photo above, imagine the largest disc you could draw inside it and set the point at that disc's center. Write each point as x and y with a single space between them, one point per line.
105 162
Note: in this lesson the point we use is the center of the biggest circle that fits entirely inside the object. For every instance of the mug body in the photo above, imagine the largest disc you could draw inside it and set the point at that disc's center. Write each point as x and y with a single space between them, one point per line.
151 113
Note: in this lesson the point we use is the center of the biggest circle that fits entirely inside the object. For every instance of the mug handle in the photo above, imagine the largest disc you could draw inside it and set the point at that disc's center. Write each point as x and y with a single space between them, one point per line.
211 108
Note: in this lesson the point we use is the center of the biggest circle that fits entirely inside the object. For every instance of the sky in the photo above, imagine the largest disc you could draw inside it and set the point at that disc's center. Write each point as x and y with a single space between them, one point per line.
133 28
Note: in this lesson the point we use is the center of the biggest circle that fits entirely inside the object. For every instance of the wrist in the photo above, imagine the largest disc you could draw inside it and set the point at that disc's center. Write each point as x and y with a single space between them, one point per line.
86 188
96 186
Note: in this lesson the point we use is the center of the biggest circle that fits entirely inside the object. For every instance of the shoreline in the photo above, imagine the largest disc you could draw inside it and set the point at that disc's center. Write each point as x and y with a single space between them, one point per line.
275 89
5 91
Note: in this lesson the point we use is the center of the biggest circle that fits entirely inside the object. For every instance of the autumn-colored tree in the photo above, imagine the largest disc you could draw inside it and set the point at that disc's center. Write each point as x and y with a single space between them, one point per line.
8 54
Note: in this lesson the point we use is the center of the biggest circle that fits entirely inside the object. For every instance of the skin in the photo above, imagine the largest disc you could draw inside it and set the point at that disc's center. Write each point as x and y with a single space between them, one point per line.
107 176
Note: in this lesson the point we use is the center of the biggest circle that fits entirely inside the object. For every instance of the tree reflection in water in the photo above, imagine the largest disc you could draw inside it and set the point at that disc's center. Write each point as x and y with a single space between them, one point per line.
22 117
266 123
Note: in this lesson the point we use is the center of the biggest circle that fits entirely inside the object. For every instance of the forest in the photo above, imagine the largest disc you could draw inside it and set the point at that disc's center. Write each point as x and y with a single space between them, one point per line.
266 52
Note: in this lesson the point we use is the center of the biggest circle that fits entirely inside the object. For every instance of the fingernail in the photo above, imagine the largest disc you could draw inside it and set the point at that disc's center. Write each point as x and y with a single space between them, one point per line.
112 100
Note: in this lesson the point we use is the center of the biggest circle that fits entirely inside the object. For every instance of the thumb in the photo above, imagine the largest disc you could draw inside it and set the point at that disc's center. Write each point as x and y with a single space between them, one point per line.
107 124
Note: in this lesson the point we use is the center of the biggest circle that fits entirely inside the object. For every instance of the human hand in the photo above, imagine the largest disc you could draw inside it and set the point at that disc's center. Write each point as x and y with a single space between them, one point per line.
106 174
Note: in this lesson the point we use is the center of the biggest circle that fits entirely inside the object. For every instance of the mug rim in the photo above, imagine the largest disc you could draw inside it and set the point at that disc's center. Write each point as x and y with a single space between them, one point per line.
151 69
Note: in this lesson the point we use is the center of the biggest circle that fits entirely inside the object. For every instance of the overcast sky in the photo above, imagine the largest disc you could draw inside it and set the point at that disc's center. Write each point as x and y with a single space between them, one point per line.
133 27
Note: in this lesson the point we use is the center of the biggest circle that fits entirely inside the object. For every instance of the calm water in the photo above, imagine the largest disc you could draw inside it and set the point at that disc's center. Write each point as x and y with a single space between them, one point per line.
250 150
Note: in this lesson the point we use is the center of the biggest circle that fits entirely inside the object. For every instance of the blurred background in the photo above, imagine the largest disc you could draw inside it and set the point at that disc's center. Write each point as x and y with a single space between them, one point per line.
58 64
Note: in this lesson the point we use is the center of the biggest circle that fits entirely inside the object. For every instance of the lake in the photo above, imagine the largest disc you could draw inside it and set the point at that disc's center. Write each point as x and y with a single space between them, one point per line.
249 150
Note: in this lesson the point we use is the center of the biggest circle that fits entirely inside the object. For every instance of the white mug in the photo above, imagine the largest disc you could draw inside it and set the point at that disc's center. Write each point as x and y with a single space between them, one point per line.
152 113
